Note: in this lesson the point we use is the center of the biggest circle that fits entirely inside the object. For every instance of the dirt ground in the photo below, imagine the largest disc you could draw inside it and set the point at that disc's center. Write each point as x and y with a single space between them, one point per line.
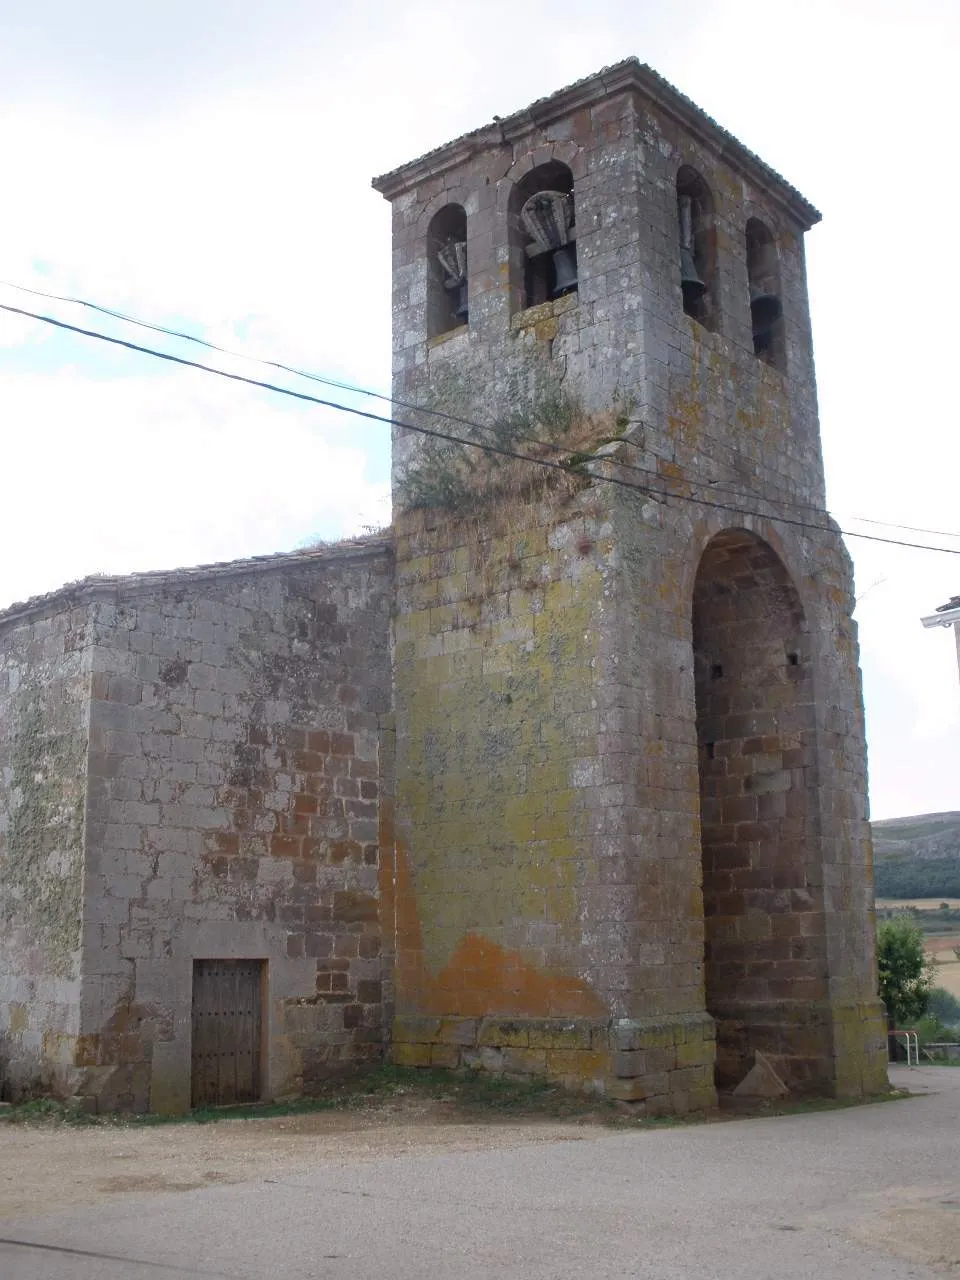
405 1185
45 1167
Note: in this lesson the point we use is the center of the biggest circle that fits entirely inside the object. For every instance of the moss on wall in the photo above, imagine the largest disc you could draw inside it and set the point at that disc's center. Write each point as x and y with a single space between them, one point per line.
41 849
496 645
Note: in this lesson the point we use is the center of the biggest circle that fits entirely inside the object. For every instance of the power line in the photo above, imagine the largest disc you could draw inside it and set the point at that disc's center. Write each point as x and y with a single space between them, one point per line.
909 528
452 439
339 385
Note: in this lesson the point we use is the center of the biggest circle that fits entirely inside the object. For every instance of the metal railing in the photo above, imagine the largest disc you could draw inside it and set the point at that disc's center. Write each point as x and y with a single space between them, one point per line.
912 1043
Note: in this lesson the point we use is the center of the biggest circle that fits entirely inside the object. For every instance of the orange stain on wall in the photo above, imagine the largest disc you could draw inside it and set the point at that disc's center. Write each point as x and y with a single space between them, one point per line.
481 978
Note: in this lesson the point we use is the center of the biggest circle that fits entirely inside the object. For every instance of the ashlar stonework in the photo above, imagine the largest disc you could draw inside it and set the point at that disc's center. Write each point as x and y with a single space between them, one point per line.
564 774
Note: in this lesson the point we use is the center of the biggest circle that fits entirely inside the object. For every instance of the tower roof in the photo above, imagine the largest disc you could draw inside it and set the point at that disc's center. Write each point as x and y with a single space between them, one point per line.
631 74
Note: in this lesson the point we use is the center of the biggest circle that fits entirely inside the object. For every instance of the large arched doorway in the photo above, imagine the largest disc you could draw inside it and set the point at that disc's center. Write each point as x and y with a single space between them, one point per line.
765 952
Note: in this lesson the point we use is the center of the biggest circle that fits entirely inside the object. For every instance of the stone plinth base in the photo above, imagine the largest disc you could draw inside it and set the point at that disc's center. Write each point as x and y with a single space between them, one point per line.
794 1035
664 1065
860 1048
819 1048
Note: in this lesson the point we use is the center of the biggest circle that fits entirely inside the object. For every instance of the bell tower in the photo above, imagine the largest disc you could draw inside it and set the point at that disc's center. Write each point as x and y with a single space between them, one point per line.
631 839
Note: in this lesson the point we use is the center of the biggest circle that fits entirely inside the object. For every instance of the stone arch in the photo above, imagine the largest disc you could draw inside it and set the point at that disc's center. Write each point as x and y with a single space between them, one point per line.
765 962
541 235
791 552
567 153
460 195
447 279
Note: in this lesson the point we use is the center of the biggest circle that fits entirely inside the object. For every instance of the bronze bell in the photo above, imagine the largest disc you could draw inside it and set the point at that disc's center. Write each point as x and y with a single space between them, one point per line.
765 309
462 311
452 257
565 270
690 282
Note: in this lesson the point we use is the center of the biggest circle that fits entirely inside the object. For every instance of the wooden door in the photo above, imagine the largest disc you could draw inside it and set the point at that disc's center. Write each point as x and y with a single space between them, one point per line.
226 1032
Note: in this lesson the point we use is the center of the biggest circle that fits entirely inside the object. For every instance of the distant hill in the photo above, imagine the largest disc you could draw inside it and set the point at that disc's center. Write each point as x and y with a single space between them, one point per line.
917 857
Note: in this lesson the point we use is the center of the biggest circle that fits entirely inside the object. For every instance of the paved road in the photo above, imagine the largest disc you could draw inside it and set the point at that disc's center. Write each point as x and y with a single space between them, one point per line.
869 1192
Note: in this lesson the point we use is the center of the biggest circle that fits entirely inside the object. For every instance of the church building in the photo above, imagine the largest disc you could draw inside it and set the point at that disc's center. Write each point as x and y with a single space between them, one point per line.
561 775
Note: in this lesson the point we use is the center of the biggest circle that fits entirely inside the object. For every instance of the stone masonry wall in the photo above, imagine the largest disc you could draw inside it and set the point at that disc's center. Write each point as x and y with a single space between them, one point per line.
721 426
44 680
523 925
823 853
233 813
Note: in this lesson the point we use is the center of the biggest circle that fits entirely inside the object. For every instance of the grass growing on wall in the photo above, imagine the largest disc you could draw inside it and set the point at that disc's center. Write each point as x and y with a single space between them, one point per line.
547 423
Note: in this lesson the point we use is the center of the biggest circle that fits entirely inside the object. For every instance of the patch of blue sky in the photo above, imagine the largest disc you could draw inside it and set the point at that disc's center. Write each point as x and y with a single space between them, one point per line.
59 350
52 351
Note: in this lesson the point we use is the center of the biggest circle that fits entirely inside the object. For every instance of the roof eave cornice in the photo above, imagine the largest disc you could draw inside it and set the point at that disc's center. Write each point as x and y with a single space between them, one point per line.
115 589
945 618
627 76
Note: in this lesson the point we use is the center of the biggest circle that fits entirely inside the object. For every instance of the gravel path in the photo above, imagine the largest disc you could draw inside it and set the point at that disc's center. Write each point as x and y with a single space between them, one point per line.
869 1193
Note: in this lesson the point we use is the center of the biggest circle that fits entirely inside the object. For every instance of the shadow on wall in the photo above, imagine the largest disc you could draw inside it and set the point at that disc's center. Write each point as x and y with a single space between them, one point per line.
765 962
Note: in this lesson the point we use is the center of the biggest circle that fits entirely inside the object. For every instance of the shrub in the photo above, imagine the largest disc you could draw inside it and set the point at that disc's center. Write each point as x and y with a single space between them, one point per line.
944 1006
905 971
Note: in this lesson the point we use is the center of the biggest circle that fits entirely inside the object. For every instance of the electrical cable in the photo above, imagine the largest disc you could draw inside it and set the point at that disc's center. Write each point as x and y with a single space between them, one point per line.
339 385
446 436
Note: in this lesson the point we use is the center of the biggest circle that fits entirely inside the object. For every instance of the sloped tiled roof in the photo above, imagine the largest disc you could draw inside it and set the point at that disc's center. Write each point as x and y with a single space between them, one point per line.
626 75
121 586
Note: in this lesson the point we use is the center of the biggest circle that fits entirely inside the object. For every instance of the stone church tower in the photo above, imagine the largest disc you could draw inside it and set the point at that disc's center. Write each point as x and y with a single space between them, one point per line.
631 846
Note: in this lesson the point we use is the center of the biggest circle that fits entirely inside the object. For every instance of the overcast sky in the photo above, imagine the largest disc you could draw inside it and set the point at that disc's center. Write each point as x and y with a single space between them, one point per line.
207 164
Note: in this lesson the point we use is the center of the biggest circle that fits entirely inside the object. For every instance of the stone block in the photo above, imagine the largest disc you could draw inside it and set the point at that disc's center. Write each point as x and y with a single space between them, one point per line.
444 1055
761 1081
629 1090
626 1065
503 1033
527 1062
577 1064
460 1031
416 1029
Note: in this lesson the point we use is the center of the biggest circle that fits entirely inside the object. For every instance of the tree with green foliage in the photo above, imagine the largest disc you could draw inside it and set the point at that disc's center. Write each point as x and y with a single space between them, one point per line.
944 1006
906 972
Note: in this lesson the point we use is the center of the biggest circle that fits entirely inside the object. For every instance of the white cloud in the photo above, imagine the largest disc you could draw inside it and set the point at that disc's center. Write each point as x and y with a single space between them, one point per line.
153 472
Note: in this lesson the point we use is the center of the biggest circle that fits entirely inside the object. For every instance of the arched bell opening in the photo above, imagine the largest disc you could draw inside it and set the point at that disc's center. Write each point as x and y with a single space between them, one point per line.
766 306
697 247
448 304
543 235
765 939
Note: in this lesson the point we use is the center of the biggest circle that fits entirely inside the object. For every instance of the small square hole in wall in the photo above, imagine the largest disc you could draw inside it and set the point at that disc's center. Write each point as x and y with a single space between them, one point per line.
716 671
793 659
711 750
